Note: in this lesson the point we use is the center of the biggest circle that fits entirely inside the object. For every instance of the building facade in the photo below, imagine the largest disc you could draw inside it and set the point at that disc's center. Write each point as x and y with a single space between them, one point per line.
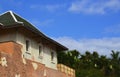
35 45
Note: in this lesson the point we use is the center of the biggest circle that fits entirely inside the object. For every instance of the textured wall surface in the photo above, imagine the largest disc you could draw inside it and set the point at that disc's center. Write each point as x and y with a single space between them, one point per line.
34 51
13 64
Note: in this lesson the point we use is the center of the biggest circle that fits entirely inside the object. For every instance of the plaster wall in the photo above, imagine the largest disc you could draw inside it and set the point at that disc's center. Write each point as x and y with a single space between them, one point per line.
33 53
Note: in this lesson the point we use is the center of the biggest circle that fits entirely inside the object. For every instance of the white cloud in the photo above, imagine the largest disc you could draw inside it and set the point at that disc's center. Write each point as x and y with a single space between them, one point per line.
50 8
95 7
103 45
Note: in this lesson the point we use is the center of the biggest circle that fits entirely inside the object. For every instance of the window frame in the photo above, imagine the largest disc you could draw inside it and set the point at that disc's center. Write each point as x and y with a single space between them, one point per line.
52 55
40 51
27 47
27 43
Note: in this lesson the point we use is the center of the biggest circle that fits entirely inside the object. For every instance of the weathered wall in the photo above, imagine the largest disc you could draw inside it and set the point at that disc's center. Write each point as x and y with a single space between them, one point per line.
13 64
47 58
7 35
14 35
34 51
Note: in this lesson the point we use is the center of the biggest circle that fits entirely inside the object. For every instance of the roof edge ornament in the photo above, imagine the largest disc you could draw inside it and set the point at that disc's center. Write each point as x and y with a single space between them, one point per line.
13 16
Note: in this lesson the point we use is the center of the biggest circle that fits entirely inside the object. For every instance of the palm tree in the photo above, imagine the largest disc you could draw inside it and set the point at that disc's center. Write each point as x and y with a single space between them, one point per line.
115 62
95 59
115 55
86 60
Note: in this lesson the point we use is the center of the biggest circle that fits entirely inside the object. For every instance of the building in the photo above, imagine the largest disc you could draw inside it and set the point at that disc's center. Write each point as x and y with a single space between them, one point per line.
36 46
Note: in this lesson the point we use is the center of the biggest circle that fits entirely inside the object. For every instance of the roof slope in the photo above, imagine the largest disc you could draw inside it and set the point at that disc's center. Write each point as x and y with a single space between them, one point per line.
9 19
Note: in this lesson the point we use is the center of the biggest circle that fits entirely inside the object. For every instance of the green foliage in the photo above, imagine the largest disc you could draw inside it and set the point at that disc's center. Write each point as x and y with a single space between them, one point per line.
91 64
90 73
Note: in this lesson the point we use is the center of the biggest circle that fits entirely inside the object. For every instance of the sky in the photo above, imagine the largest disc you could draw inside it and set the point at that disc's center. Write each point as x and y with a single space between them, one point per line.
92 25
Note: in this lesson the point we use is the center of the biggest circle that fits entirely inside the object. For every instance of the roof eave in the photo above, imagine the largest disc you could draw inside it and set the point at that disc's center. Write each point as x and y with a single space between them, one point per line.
49 39
18 24
32 28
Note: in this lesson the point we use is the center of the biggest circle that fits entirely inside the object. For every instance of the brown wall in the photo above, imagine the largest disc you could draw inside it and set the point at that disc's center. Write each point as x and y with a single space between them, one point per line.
13 64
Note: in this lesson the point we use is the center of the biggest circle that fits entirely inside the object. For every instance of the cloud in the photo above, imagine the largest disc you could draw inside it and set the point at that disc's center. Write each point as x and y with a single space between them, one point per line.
95 7
50 8
103 45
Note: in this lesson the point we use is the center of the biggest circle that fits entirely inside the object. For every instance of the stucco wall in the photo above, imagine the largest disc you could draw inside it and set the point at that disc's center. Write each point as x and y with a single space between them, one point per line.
33 53
47 58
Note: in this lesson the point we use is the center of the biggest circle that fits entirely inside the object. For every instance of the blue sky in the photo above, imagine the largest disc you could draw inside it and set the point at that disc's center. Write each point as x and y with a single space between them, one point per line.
78 24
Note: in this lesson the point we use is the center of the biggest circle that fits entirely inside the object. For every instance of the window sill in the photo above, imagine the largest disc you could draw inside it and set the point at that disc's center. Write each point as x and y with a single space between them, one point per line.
28 53
52 62
40 57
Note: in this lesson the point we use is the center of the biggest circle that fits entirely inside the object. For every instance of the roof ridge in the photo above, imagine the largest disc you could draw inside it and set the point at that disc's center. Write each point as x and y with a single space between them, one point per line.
13 16
24 19
5 12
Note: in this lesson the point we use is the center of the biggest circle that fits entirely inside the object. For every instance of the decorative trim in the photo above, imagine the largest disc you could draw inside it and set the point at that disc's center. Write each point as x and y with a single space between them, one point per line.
13 16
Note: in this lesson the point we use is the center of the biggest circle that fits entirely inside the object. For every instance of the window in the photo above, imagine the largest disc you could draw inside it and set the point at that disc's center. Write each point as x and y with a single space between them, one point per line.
52 56
27 45
40 50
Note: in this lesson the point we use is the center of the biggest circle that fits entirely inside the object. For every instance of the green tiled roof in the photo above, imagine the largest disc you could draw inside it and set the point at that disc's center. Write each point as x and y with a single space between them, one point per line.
26 23
9 18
